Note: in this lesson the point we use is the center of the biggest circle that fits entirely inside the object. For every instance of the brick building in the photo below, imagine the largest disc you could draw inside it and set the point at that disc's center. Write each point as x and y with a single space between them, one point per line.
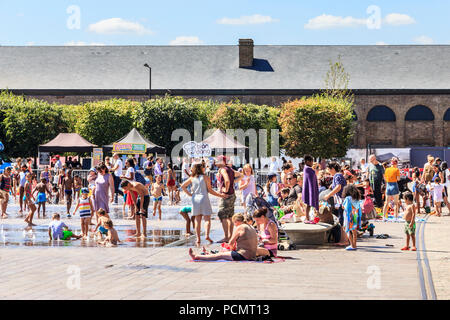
402 93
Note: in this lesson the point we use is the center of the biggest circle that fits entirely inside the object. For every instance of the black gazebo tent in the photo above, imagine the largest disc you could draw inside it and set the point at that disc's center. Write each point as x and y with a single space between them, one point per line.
67 142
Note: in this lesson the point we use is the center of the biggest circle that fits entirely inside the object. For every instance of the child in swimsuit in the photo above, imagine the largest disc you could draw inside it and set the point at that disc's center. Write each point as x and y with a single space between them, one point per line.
28 199
102 219
157 190
77 184
112 237
42 189
68 190
410 221
84 203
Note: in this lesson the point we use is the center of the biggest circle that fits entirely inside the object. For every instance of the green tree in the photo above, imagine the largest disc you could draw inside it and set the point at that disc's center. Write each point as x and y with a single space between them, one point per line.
245 116
320 125
158 118
106 121
31 123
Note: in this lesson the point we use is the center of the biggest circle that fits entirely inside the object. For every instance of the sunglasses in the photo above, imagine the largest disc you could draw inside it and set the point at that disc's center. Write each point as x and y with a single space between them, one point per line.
290 178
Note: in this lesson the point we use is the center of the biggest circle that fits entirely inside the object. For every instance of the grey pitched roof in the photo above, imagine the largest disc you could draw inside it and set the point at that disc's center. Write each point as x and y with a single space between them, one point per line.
216 67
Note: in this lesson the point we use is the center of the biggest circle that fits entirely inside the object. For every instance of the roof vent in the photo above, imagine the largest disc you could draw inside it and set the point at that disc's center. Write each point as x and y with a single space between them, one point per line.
245 53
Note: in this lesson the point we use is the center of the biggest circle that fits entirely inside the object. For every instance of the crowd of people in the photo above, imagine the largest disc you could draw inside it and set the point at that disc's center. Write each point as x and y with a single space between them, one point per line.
296 195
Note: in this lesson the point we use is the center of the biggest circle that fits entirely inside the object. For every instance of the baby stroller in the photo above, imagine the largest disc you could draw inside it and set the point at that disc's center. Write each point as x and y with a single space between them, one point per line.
253 203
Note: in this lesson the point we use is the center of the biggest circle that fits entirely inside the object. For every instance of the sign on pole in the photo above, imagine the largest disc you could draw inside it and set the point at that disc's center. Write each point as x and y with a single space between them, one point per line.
44 158
97 156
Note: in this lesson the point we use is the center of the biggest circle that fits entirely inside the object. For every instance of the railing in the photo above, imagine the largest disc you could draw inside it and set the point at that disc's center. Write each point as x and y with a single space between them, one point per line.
260 176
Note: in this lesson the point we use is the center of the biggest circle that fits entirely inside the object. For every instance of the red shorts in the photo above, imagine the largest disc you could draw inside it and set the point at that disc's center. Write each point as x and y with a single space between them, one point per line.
171 183
130 198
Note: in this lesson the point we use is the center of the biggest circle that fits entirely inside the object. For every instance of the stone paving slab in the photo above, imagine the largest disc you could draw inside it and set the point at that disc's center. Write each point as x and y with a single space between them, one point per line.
314 272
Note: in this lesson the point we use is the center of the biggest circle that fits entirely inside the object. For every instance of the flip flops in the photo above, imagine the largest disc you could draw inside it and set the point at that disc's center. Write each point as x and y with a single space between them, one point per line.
350 248
404 248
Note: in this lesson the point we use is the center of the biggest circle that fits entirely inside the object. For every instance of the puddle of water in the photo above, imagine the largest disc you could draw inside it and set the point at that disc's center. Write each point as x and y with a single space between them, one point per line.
20 236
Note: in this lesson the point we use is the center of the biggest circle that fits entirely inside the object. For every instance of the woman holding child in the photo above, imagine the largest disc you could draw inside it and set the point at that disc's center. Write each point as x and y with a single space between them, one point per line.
201 186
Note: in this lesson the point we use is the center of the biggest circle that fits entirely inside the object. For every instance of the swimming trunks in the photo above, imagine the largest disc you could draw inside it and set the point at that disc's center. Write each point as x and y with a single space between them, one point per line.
102 230
41 198
157 199
145 205
409 230
237 256
68 192
186 209
67 234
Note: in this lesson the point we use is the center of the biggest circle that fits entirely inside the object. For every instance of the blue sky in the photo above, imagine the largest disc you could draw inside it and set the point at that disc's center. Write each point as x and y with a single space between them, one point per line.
289 22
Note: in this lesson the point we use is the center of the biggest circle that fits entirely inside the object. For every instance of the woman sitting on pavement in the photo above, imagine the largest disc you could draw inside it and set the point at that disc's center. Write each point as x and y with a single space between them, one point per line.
267 232
244 241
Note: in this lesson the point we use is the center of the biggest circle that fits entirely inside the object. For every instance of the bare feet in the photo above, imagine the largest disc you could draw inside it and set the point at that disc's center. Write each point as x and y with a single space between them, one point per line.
198 242
191 253
209 239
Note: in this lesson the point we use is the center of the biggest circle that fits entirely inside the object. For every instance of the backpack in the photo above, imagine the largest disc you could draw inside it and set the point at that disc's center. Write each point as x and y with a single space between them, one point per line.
335 234
140 178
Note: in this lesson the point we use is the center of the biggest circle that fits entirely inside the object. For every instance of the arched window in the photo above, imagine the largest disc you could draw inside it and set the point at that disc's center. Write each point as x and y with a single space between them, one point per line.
381 113
447 115
419 113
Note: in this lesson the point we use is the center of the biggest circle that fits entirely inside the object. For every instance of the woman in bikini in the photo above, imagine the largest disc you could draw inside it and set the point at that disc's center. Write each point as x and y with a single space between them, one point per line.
267 233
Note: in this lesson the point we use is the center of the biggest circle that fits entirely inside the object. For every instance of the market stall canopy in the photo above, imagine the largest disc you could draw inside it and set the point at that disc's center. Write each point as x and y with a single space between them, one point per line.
219 140
67 142
134 137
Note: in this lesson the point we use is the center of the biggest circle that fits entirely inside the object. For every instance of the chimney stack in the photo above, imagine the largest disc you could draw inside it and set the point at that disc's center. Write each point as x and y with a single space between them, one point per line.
245 53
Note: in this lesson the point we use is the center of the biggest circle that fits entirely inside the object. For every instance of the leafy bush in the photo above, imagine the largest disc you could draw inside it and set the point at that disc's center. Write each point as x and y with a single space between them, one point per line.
320 125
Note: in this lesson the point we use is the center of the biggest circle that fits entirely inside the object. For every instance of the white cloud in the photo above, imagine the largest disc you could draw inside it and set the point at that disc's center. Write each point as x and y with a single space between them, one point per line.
423 40
326 21
253 19
82 43
118 26
186 40
381 43
398 19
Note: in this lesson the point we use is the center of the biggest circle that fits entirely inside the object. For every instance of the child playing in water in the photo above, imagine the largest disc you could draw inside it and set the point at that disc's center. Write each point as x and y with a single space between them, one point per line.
86 209
77 184
101 221
352 214
112 238
58 230
157 191
410 221
28 199
438 190
55 195
68 190
41 188
185 214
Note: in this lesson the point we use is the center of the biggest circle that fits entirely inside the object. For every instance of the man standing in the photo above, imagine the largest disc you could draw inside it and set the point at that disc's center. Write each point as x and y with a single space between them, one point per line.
141 204
376 173
310 190
157 170
364 167
117 171
226 178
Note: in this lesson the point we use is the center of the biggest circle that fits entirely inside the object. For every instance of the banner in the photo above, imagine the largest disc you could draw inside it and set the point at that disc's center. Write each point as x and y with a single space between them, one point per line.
97 155
129 148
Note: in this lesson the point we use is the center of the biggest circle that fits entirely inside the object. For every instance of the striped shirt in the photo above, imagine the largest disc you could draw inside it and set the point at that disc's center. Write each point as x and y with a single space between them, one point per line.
85 208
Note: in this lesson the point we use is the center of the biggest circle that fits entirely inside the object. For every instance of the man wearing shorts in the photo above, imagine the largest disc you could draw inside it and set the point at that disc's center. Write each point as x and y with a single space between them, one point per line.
226 178
142 203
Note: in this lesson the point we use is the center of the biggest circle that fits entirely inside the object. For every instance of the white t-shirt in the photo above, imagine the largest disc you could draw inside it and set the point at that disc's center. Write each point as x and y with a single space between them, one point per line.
447 179
118 171
129 171
23 178
437 192
274 190
274 167
185 167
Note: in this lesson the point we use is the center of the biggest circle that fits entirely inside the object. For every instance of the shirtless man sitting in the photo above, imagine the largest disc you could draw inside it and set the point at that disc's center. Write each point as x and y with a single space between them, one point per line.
142 203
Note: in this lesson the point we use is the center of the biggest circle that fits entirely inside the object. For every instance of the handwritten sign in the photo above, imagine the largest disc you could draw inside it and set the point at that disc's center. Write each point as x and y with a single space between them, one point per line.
197 150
